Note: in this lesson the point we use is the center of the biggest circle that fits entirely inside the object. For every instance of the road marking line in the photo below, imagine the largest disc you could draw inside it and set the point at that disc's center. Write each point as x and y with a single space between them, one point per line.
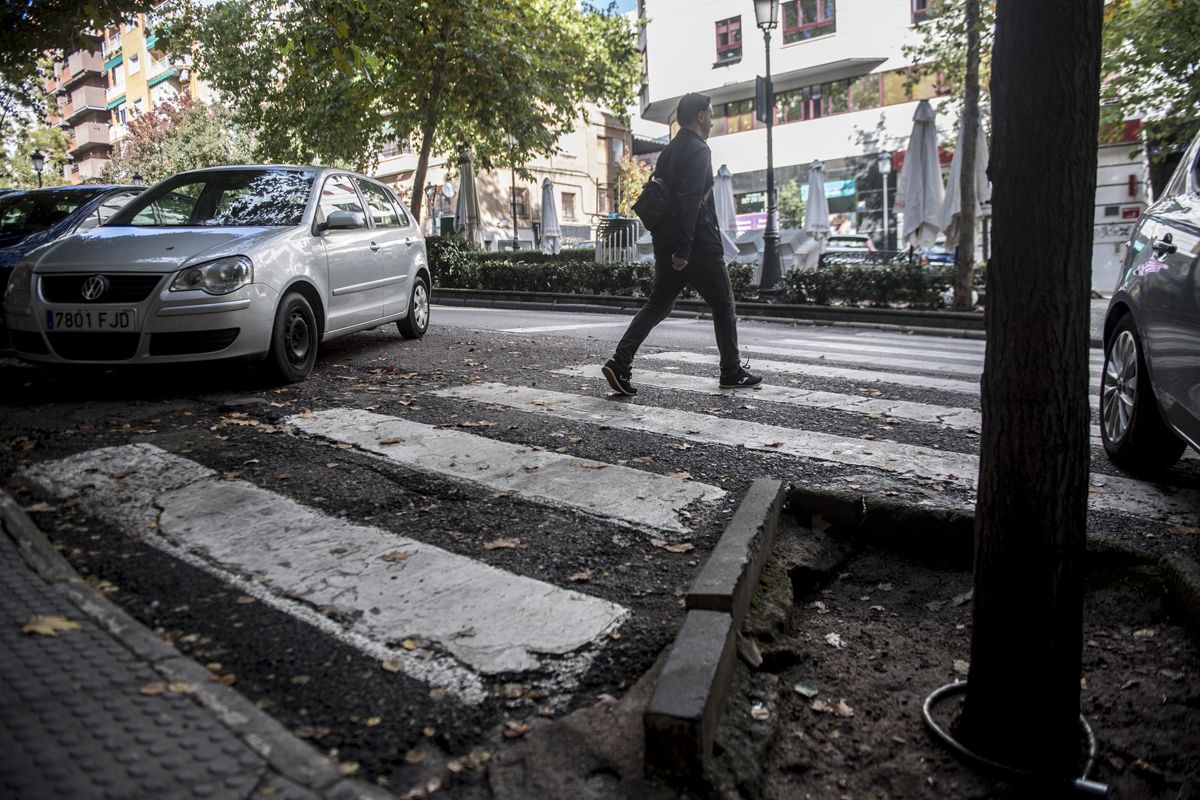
898 348
623 323
611 491
489 620
1107 493
822 371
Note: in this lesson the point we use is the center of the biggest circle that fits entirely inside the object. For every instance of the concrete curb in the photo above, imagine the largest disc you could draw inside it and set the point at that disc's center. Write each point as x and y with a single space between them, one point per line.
681 719
288 755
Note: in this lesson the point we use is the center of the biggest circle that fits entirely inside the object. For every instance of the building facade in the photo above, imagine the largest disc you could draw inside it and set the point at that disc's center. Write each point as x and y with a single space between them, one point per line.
119 74
584 171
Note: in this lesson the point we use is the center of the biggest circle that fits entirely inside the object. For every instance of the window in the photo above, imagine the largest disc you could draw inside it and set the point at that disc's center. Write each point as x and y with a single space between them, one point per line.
106 209
864 93
401 213
383 213
568 205
338 195
132 63
737 116
800 104
119 114
894 91
924 9
729 41
522 201
807 19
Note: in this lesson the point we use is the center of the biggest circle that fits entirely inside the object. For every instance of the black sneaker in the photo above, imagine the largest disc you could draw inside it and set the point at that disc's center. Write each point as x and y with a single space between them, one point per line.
618 378
740 380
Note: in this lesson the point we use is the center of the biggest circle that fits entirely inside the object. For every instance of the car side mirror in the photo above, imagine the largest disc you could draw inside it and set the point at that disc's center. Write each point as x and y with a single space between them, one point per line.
343 220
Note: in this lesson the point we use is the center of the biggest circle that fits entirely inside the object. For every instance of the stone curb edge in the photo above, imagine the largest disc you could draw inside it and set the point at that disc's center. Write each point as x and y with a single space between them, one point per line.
681 719
289 756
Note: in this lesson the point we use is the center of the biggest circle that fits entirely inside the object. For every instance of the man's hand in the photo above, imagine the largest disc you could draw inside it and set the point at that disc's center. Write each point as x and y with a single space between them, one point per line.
678 263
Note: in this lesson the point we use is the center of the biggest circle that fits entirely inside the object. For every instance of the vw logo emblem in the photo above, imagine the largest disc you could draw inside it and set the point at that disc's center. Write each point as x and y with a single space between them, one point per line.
93 287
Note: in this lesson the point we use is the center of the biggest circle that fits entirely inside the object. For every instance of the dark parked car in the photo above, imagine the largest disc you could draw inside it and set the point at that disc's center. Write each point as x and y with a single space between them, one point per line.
1150 388
36 217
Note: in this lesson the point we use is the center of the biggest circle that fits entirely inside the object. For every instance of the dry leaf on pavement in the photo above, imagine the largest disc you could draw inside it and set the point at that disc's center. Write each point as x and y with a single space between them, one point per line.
673 548
497 544
843 710
396 555
49 625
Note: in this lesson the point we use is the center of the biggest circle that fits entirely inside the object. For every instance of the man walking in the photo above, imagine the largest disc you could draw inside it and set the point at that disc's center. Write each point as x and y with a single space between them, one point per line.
687 251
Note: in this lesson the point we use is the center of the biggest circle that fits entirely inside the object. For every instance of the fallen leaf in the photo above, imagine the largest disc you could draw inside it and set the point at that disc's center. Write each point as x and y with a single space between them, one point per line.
835 640
396 555
245 600
672 548
391 665
416 755
1144 633
592 465
961 667
821 707
515 730
179 687
683 476
759 711
153 689
581 577
497 544
301 680
374 722
804 690
412 643
348 767
49 625
389 441
843 710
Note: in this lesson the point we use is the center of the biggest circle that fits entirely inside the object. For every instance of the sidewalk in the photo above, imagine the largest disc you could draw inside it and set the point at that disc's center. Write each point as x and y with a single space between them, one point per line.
94 705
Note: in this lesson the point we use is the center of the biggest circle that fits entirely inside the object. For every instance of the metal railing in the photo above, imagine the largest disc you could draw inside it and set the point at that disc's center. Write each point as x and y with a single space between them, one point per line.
877 258
616 239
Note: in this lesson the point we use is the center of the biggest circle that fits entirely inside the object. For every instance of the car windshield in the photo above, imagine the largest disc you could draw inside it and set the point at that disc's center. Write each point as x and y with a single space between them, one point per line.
31 212
224 199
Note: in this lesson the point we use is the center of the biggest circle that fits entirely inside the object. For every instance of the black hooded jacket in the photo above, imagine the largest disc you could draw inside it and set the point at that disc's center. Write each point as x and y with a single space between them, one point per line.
685 165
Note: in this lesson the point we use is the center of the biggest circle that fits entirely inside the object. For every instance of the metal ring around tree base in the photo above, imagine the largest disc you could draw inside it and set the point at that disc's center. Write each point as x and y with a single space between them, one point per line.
1082 784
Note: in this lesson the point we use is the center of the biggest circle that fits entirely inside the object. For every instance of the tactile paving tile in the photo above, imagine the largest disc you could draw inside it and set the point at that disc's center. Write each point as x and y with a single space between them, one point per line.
73 722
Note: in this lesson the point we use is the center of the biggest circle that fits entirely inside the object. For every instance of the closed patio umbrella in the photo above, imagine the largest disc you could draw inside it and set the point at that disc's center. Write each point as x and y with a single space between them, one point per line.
983 190
467 222
551 232
919 191
726 211
816 218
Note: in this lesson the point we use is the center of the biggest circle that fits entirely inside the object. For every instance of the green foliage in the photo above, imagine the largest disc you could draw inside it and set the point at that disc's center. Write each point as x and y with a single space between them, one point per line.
331 80
633 175
880 286
174 137
1151 64
18 172
791 206
455 265
942 48
30 28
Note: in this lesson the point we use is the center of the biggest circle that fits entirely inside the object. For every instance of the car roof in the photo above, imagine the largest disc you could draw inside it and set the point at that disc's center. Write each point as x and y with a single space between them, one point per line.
82 187
320 170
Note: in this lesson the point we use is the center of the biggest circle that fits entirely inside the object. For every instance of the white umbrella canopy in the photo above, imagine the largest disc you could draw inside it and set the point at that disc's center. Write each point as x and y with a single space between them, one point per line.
952 206
551 232
726 211
467 222
919 191
816 210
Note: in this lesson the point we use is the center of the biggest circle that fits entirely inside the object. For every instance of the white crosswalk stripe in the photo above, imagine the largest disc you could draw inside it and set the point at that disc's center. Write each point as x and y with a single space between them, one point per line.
583 325
1114 494
940 353
637 498
470 619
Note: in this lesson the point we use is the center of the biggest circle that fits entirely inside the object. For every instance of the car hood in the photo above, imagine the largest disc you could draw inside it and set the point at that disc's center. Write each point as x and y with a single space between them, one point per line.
114 249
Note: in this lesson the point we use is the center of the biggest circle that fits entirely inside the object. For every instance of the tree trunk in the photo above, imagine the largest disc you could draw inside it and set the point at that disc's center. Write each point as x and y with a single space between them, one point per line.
964 258
429 124
1022 704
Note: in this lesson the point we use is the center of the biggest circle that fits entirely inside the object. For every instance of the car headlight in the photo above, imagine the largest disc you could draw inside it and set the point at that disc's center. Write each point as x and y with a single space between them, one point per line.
21 279
222 276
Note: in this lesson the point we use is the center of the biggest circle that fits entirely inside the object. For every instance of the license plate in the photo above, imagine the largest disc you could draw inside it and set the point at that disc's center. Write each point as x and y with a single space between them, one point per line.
91 319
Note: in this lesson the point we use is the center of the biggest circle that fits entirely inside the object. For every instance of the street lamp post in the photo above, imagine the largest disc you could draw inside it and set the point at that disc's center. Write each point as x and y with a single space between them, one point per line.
39 164
512 149
430 197
885 169
766 15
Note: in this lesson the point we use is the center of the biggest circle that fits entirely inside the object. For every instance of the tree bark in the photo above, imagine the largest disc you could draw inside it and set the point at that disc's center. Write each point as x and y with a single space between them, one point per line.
964 257
1022 704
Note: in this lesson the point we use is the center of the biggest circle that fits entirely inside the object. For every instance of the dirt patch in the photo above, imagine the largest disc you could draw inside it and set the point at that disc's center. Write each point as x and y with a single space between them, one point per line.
835 712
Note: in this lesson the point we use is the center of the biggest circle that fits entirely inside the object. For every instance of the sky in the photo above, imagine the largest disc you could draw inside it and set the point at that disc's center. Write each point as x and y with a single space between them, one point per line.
622 5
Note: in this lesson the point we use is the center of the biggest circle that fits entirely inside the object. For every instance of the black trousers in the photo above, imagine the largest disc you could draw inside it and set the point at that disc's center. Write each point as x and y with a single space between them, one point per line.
706 273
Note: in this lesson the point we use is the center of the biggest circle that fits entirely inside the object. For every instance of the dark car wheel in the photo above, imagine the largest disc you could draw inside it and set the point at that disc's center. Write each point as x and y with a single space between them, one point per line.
1133 431
416 323
294 340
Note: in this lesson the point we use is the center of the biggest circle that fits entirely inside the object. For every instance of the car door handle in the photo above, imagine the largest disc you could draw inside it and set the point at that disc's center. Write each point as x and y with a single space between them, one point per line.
1165 245
374 247
410 240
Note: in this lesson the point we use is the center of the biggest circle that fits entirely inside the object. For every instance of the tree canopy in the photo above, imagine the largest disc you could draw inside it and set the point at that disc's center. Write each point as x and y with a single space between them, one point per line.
333 80
29 28
52 143
174 137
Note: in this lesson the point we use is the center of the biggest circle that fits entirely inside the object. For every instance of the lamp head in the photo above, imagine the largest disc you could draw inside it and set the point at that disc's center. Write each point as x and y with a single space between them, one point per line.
137 179
885 163
39 161
766 14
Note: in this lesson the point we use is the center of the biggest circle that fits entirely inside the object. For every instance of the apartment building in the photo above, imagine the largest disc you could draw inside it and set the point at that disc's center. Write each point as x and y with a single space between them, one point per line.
118 74
583 169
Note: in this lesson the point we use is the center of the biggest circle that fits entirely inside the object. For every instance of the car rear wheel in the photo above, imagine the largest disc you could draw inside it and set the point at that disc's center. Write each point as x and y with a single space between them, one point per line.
416 323
294 340
1133 431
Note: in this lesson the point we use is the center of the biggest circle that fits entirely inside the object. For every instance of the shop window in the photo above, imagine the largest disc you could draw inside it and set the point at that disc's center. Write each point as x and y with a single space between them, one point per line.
807 19
729 40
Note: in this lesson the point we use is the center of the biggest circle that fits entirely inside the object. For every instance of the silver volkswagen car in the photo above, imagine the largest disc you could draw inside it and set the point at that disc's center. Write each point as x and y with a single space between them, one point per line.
256 262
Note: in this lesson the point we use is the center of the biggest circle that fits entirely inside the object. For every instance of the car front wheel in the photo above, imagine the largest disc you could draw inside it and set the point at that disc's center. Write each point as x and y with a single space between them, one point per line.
294 339
1133 431
416 323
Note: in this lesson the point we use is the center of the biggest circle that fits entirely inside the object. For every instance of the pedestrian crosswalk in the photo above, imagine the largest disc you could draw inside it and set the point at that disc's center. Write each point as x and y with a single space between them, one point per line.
469 619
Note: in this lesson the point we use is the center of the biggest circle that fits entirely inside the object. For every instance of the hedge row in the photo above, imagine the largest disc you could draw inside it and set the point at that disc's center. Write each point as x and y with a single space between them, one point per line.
456 266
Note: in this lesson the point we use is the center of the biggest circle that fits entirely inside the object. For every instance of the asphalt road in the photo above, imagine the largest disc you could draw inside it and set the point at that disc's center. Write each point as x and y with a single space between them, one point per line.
429 545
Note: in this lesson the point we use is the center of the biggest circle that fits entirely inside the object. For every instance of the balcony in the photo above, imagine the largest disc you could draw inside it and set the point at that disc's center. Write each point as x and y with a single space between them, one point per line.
91 168
114 92
117 132
82 64
85 99
111 46
89 135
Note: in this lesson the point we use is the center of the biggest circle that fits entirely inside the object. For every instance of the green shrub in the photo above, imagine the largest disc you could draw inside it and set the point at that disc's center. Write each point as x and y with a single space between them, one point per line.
900 284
